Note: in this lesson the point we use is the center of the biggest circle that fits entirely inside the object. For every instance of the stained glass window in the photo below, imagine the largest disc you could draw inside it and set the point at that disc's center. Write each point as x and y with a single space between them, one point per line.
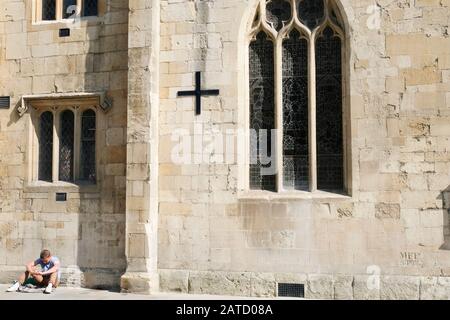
66 146
330 171
90 8
45 146
295 112
87 154
293 91
311 12
48 9
69 8
262 111
278 11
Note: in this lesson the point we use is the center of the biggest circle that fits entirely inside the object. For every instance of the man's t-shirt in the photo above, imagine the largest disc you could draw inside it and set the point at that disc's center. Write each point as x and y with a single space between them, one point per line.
49 265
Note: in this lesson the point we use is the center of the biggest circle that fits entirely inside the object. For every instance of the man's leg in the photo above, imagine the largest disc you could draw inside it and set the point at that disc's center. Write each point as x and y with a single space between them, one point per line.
24 277
22 280
50 282
51 278
39 279
54 279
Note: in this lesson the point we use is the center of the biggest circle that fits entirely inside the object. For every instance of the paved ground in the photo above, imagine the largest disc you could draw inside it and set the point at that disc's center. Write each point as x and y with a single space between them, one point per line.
87 294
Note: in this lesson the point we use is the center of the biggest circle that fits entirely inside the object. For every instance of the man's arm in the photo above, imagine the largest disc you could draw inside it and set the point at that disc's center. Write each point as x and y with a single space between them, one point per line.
52 270
30 267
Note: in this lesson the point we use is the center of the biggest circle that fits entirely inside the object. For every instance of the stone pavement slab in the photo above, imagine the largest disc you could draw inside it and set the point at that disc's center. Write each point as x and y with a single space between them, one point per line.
89 294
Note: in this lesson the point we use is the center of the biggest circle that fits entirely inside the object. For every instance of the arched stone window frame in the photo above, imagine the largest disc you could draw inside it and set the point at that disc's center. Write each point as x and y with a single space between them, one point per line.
251 30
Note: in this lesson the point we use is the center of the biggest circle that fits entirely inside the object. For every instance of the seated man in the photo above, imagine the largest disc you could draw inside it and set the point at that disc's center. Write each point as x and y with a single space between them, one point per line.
48 277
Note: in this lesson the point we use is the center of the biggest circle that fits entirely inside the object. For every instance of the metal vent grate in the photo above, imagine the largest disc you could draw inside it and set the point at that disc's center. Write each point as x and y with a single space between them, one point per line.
65 32
293 290
61 197
5 102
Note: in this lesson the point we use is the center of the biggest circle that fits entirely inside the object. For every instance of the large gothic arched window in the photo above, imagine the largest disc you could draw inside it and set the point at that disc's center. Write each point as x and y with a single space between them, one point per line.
295 83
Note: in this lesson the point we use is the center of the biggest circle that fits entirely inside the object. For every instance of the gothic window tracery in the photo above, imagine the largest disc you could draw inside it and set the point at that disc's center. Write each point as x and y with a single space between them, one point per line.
295 83
278 13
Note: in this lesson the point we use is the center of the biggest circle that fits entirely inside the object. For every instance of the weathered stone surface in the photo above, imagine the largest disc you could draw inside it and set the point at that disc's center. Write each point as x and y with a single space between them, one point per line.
238 284
263 285
136 282
174 280
343 287
400 288
387 211
366 288
319 287
435 288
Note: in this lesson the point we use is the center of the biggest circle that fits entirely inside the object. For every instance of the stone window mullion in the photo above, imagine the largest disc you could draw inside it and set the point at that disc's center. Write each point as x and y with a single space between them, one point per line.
38 10
79 7
279 113
312 132
59 9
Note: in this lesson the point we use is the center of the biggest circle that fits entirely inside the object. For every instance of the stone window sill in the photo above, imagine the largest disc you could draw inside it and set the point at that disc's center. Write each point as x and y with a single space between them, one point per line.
291 195
60 186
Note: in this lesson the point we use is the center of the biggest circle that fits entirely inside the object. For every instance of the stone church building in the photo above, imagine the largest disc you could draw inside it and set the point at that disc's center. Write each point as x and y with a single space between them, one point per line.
234 147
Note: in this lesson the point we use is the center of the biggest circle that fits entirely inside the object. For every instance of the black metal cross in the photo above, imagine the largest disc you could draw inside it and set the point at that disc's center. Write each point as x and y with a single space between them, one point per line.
198 93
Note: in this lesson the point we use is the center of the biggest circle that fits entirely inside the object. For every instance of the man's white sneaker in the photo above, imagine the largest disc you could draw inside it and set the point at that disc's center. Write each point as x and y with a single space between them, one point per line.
49 289
14 287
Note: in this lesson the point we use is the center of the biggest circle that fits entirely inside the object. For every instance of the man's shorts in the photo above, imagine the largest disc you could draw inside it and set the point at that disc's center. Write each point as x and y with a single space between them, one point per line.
33 281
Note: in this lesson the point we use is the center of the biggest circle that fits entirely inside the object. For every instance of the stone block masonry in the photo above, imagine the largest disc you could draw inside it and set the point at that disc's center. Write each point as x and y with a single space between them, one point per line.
151 224
87 232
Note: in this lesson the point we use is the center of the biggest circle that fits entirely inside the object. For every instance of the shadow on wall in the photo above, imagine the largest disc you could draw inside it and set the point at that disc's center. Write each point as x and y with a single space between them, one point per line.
101 242
14 115
87 232
445 197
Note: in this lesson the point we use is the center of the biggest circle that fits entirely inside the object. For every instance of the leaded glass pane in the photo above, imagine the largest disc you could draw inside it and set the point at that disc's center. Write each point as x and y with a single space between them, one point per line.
48 9
295 112
330 169
311 12
66 146
69 8
262 115
90 8
46 146
278 11
87 163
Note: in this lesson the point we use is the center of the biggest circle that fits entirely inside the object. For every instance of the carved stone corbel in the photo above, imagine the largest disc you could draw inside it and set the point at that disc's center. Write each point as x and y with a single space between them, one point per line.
22 107
106 103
